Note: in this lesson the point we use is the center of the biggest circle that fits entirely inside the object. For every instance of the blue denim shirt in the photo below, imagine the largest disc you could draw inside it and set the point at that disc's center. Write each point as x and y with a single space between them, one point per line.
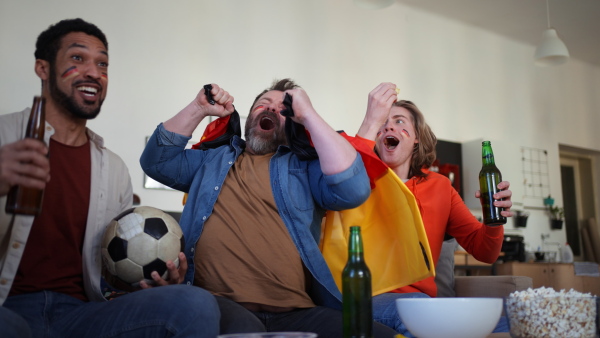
301 191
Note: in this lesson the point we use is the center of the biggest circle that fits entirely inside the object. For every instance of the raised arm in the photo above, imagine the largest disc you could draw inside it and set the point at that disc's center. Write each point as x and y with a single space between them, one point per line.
378 107
335 153
186 121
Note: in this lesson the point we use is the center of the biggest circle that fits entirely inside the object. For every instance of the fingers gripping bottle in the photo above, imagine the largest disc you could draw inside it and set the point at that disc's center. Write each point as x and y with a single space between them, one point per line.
21 200
489 177
356 291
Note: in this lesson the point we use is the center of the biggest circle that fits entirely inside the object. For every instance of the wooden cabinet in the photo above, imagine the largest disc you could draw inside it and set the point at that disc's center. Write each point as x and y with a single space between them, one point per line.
591 285
537 272
466 265
555 275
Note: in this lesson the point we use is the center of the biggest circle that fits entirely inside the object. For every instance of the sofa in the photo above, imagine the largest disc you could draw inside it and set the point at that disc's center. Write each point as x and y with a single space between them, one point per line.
450 285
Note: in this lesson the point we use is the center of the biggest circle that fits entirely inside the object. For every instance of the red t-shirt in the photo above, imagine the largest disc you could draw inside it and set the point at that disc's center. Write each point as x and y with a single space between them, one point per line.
53 254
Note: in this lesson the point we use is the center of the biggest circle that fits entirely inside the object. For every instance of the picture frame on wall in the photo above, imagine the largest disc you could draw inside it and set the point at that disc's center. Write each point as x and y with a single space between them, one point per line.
150 183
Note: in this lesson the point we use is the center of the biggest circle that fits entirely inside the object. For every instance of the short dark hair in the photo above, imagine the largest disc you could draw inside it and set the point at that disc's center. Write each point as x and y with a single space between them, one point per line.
48 42
280 85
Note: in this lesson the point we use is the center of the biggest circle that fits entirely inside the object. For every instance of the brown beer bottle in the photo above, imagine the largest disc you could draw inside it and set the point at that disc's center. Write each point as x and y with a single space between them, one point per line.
489 177
21 200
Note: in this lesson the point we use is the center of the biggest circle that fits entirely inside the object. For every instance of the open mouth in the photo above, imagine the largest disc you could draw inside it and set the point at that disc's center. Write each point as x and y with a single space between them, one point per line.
266 123
390 142
88 91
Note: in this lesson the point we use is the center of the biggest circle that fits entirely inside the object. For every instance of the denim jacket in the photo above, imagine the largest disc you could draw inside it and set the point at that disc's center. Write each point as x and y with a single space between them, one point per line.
301 191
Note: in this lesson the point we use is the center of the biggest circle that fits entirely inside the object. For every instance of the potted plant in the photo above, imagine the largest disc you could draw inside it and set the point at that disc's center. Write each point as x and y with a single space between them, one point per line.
521 219
549 201
557 215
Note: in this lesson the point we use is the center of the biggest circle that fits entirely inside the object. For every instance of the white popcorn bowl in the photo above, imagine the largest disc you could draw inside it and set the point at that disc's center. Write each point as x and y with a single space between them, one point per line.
559 315
454 317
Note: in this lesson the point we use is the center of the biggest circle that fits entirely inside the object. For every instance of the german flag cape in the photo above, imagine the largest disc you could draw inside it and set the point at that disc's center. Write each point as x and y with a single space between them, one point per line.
394 239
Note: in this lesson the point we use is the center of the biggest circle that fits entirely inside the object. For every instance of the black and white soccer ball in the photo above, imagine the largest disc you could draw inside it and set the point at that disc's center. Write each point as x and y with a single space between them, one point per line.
138 241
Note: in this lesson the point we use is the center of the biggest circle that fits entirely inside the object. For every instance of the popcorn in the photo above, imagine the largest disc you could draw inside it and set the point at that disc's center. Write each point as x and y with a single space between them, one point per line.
544 312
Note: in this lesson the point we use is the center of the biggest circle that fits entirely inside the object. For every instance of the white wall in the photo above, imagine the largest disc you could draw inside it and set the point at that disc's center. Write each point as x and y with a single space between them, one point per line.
470 83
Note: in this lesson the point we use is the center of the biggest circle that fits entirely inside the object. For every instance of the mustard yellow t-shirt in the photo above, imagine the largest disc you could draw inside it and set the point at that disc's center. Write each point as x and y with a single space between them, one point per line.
245 252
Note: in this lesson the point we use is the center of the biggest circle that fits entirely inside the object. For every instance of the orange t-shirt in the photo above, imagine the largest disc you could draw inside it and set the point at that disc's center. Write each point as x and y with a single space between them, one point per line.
444 211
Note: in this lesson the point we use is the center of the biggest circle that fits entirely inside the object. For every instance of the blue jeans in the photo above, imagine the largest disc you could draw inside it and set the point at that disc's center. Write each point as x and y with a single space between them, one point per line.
324 321
166 311
13 325
385 312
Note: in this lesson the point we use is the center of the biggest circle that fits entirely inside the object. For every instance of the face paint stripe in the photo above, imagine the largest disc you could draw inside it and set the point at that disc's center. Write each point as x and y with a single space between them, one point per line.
406 132
69 72
104 75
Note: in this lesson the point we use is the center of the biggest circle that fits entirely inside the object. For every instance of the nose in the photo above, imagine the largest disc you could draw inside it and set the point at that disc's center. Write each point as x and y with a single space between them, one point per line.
275 107
92 71
387 126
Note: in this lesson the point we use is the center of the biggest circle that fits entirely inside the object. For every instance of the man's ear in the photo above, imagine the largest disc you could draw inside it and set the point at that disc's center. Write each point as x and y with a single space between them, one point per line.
42 69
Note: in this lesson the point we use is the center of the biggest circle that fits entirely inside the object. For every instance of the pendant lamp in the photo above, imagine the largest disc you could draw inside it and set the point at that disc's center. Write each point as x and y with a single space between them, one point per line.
551 51
373 4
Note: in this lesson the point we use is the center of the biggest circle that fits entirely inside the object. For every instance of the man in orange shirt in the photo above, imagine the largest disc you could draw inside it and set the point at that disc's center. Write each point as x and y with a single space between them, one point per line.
402 139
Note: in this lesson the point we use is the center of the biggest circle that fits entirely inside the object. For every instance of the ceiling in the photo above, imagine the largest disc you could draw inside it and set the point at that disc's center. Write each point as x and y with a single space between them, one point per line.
576 21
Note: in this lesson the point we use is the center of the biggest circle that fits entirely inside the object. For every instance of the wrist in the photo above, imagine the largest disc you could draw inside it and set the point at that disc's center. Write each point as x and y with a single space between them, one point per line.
195 111
368 130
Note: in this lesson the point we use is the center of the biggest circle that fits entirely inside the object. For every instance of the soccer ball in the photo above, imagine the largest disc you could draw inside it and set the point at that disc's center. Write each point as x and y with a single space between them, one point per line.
136 242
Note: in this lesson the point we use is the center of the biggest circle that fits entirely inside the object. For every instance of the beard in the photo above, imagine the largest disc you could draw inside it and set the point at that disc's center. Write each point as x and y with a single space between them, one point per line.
68 103
264 140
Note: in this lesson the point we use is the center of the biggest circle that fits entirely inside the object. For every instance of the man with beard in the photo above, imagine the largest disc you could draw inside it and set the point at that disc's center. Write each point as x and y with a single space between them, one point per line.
50 263
252 219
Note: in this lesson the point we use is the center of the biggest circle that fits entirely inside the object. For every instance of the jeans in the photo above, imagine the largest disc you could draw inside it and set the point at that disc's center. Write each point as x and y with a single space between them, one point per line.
13 325
385 312
502 325
166 311
324 321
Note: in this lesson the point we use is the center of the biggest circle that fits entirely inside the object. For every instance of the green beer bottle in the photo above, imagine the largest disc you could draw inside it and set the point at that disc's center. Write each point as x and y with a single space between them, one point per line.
489 177
356 290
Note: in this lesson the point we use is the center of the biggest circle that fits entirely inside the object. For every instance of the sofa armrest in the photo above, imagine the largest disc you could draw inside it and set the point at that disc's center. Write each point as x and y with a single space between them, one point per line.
490 286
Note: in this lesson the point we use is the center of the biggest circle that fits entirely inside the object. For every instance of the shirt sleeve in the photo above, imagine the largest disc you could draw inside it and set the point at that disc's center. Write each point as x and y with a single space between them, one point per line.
482 241
164 159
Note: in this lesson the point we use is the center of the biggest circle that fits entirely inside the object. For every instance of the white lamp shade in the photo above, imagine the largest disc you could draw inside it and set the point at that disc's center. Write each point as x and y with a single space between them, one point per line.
551 51
373 4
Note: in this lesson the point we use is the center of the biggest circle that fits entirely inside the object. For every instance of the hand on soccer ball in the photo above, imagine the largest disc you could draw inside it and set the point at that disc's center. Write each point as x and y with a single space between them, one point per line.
175 274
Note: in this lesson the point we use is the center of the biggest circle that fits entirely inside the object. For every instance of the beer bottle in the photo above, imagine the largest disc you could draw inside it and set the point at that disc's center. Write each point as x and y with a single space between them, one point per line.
22 200
356 290
489 177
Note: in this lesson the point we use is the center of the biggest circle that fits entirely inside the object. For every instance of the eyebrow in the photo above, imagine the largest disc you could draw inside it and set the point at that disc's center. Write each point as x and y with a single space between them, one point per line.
259 102
77 45
265 98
